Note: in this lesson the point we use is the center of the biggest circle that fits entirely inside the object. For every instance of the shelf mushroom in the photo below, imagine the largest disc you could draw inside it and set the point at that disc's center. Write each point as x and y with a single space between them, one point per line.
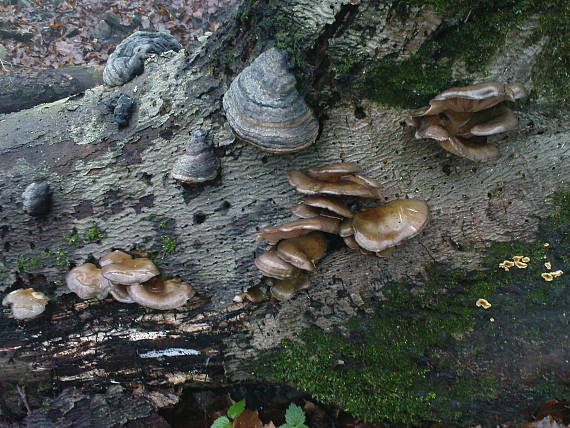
87 282
26 303
161 294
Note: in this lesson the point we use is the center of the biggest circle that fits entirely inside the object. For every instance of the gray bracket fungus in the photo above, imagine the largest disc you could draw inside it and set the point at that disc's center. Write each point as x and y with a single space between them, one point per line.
199 163
264 108
127 60
36 199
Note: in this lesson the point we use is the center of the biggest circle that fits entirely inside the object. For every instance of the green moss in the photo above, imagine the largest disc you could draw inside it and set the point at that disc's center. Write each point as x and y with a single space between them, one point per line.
478 28
26 264
169 244
421 356
94 234
73 237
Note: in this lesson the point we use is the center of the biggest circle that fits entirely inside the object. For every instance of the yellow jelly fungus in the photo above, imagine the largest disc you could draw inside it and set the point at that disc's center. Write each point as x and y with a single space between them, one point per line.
548 265
525 259
517 258
520 265
547 276
556 273
484 303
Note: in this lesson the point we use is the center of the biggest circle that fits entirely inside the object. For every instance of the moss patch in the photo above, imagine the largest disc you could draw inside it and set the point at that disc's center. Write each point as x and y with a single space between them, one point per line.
477 29
430 354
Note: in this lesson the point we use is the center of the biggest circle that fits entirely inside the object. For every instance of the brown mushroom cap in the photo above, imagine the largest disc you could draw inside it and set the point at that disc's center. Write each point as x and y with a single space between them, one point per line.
116 256
273 266
255 294
378 228
310 186
273 234
86 281
305 211
26 303
478 152
120 293
351 242
304 251
345 228
161 294
284 289
473 98
330 204
133 271
333 171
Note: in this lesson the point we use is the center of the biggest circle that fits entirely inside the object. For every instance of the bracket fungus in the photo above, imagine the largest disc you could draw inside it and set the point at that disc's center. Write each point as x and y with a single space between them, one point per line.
199 163
460 119
36 199
26 303
128 272
284 289
127 60
87 282
264 108
161 294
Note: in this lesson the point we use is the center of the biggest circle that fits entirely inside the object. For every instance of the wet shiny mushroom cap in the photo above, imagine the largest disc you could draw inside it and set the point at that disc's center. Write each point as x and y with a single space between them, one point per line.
273 234
285 289
120 293
304 251
26 303
345 228
270 264
161 294
86 281
333 205
116 256
308 185
134 271
473 98
333 171
255 294
378 228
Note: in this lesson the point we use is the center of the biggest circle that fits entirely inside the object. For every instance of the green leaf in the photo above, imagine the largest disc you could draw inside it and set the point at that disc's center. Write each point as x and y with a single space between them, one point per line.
294 415
222 422
236 409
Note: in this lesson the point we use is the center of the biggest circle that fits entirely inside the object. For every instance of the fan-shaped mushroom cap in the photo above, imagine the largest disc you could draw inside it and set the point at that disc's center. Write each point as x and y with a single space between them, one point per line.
120 293
305 211
134 271
304 251
473 98
478 152
378 228
86 281
270 264
345 228
199 163
333 171
273 234
351 242
311 186
329 204
116 256
26 303
161 294
264 108
284 289
127 60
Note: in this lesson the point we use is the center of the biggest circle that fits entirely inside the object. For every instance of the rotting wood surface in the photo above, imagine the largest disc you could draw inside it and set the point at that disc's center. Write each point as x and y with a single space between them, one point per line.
118 180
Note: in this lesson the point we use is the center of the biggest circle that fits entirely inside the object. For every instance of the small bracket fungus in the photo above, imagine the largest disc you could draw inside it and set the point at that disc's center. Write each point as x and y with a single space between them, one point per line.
460 119
36 199
264 108
284 289
274 266
161 294
127 60
379 228
199 163
86 281
121 106
26 303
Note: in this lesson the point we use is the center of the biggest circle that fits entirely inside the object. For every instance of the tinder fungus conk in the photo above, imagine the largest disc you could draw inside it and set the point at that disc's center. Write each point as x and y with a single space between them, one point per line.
161 294
127 60
199 163
264 108
26 303
86 281
382 227
460 119
36 199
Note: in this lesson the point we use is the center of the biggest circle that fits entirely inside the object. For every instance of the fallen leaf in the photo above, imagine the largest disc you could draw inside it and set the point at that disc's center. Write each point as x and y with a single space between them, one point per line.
248 419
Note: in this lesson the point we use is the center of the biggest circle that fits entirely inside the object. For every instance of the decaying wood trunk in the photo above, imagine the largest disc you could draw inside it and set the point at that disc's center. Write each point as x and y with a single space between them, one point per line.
27 88
117 179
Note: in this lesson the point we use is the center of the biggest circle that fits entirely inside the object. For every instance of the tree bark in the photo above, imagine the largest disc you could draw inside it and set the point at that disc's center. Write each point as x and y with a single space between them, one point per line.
27 88
118 180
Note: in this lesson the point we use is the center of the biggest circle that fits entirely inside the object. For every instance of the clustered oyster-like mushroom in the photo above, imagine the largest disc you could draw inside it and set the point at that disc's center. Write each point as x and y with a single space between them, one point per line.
298 245
128 280
460 119
26 303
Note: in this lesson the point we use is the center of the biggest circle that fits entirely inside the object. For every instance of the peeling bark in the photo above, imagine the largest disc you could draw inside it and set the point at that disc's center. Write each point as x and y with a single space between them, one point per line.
118 180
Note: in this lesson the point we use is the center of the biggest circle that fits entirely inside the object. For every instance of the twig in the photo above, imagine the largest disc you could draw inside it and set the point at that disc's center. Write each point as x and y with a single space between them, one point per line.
22 393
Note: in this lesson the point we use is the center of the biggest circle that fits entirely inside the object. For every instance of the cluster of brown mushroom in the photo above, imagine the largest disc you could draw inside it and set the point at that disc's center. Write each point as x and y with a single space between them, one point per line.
129 280
298 245
460 119
26 303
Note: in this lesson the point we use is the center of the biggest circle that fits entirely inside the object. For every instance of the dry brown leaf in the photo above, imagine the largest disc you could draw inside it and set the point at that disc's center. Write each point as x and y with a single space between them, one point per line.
248 419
